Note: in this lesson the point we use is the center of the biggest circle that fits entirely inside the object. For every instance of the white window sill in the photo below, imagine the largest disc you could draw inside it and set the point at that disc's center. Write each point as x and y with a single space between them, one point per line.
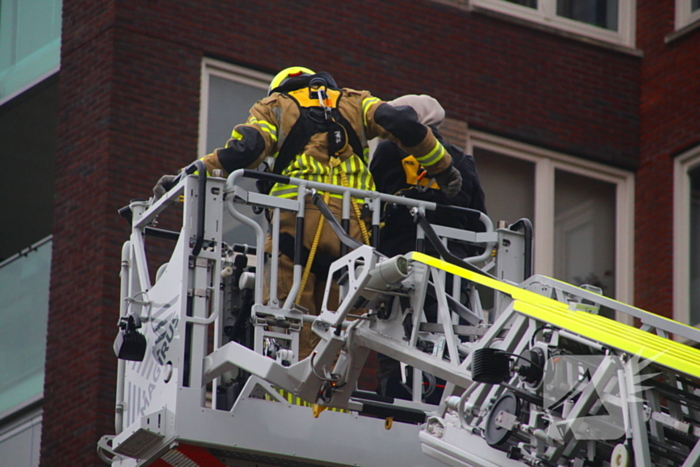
677 34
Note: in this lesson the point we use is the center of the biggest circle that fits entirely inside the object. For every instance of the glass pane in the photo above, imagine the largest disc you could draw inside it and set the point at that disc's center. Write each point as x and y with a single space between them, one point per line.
601 13
695 5
24 288
21 448
584 231
38 23
30 42
229 102
527 3
509 185
694 176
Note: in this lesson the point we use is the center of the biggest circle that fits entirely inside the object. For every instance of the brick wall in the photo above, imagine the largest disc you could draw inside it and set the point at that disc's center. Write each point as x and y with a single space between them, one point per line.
75 407
512 80
129 108
669 124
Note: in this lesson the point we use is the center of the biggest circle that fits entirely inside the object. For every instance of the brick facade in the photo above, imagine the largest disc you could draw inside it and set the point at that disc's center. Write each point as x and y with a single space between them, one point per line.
129 112
669 124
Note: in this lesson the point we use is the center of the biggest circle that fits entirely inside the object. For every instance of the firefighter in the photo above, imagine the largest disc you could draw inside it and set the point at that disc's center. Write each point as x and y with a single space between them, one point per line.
309 128
398 172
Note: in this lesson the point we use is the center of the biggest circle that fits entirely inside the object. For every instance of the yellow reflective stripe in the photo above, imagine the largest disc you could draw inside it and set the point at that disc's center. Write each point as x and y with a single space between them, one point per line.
236 135
516 292
669 320
355 172
358 175
662 351
368 182
266 126
270 128
665 352
434 156
307 168
316 171
366 103
282 190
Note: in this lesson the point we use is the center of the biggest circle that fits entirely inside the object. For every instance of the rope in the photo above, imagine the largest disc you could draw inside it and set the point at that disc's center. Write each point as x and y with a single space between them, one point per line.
317 237
333 163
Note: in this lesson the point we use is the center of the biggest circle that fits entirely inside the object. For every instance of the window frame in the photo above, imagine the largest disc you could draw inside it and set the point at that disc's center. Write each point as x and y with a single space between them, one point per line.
545 14
31 418
546 163
49 50
213 67
684 16
28 403
685 162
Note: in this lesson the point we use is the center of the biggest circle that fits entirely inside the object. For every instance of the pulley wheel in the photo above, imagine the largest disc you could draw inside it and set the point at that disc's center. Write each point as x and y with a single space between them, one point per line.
494 434
620 456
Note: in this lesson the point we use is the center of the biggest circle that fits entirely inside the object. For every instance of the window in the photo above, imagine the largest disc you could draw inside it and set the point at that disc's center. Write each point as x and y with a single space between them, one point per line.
584 230
24 288
581 211
228 92
608 20
28 126
686 233
20 440
30 43
687 11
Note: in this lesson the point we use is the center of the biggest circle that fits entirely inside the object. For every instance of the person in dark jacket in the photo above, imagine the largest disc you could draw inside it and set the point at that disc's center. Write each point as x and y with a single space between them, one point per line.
397 172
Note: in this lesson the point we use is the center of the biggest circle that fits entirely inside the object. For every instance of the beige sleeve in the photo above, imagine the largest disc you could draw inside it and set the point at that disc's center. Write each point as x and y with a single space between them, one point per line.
429 152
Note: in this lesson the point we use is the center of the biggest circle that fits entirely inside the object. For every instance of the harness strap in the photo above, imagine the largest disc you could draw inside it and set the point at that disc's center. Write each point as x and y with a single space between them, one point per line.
310 122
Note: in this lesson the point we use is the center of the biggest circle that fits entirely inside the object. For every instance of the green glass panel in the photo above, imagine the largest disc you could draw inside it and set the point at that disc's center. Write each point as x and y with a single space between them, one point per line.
30 42
24 309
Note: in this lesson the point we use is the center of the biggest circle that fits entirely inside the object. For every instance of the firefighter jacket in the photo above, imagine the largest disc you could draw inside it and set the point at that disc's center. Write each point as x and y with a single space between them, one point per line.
272 119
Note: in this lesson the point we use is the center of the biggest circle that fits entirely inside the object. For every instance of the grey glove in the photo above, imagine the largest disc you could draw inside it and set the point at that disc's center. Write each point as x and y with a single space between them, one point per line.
165 183
450 181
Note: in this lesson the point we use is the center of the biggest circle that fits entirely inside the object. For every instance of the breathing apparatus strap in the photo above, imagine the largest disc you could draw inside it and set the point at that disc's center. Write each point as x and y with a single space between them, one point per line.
318 114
